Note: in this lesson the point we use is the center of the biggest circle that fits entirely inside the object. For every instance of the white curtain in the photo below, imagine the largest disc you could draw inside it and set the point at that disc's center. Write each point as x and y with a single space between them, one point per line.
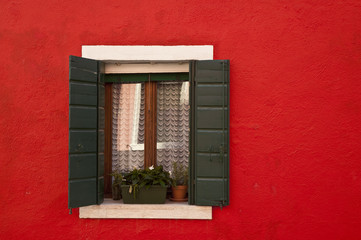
172 125
128 127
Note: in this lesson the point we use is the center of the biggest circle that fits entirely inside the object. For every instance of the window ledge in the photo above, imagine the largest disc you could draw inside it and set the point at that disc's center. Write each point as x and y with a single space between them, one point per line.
169 210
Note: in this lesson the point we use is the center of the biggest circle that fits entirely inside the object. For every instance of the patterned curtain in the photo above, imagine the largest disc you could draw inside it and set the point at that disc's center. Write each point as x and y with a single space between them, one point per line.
128 127
172 125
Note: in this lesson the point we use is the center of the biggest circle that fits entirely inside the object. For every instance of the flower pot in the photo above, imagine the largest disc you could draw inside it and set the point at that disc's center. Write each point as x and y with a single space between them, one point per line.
152 195
116 192
179 193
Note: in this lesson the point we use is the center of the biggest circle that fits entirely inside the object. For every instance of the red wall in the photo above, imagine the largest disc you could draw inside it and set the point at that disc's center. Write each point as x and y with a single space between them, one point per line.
295 113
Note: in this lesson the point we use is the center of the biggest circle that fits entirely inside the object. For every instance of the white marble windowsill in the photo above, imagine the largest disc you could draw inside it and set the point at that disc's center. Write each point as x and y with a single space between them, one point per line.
169 210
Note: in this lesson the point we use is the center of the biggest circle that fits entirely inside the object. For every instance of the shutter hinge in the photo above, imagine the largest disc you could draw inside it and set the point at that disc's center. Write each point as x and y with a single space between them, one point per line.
70 211
220 203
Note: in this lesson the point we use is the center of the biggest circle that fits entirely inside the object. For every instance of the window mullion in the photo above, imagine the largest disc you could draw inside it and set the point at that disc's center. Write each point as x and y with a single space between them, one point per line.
150 131
108 140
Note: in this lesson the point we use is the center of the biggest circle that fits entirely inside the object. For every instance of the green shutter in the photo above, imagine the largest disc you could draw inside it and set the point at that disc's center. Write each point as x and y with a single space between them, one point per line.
209 163
86 132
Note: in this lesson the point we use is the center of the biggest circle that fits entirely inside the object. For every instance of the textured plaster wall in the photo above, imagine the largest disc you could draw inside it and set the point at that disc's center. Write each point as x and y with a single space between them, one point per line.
295 113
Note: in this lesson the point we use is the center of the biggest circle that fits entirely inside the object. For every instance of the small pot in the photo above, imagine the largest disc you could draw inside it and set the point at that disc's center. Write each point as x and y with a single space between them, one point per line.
116 192
179 193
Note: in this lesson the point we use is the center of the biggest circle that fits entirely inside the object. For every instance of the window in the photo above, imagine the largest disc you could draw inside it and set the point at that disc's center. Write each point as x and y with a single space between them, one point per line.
148 117
209 113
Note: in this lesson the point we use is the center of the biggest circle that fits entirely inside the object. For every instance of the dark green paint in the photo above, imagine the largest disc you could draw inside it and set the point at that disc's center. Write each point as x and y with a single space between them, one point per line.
84 63
77 74
86 93
101 141
83 94
82 166
207 140
209 117
209 192
101 164
209 165
152 195
82 141
125 78
210 95
164 77
192 152
101 188
83 117
101 95
101 118
134 78
82 192
210 107
101 125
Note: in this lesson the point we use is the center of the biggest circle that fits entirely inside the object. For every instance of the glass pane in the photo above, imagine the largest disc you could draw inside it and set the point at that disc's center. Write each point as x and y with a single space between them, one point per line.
172 123
128 127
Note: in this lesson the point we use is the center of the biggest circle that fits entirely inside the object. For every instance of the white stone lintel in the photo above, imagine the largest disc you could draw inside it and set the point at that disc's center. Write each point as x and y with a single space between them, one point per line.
148 53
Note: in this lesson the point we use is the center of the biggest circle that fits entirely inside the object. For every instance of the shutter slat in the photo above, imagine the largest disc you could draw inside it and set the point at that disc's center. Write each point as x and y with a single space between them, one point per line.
84 121
210 123
210 95
84 63
82 166
83 75
82 192
82 141
207 139
209 165
83 94
83 117
211 118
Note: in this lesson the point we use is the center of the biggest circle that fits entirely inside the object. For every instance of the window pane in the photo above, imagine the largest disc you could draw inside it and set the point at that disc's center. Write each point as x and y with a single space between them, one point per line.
172 123
128 127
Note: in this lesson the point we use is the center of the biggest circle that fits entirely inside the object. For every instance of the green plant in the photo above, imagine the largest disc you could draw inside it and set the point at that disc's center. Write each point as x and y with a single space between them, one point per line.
117 181
139 178
179 174
118 177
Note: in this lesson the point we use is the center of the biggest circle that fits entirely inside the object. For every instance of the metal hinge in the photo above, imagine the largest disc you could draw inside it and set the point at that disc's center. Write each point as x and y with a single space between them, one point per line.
220 203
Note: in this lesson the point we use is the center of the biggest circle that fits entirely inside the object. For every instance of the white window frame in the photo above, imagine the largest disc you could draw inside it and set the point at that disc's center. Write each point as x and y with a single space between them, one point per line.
146 59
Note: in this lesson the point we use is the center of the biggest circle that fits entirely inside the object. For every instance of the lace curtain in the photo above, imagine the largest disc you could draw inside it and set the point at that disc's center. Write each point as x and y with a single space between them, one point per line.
172 124
128 125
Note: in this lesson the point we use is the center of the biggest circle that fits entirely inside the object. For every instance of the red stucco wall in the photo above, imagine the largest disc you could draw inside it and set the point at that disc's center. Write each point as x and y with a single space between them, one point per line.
295 113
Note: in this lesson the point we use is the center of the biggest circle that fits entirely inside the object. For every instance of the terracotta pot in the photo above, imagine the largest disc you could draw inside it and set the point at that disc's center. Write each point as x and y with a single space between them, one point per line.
179 192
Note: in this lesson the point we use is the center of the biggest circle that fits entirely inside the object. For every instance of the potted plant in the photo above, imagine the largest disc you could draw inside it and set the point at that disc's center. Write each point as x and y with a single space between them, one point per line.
180 180
117 182
145 186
